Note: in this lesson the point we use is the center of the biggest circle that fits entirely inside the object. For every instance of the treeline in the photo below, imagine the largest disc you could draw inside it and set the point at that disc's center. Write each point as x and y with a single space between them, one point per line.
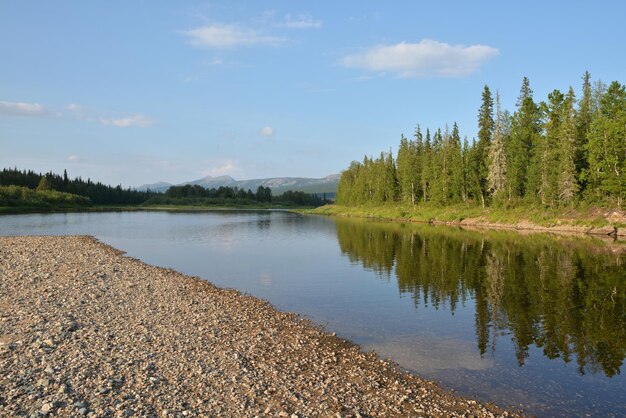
557 152
97 193
224 195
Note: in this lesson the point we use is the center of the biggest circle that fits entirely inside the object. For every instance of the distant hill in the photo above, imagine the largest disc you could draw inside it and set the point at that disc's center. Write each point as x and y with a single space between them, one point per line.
278 185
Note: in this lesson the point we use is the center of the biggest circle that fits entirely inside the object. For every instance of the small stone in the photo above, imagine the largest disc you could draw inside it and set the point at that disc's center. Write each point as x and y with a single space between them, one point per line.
47 407
48 342
49 370
83 411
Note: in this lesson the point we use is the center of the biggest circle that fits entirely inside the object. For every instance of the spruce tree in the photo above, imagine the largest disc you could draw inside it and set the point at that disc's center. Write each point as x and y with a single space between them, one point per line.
485 131
427 167
497 158
524 135
418 162
546 157
465 161
567 183
404 170
456 165
607 145
583 123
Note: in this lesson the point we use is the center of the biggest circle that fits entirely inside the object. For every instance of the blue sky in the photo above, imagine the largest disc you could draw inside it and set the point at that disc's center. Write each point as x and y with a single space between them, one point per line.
135 92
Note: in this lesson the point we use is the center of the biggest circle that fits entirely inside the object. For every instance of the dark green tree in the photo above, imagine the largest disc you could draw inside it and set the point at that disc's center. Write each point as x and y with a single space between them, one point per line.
481 154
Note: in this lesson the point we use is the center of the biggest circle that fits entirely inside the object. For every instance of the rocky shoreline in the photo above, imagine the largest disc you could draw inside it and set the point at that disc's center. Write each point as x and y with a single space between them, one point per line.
86 331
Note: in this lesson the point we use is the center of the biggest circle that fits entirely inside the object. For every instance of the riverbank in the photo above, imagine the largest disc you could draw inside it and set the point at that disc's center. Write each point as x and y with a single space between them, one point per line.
17 210
593 221
86 330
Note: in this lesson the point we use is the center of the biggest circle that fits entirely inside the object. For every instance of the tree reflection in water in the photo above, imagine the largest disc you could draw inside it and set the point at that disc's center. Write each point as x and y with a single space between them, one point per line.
565 294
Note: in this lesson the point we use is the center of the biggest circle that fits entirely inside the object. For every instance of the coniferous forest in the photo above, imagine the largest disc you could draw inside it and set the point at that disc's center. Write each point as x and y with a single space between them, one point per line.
559 152
18 188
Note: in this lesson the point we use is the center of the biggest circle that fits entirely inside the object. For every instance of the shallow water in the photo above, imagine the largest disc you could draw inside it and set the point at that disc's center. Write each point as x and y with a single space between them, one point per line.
537 322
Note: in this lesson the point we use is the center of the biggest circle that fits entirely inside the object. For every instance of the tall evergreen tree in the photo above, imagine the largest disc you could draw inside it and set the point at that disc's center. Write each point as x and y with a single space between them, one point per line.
545 158
406 165
465 159
427 167
438 169
456 165
391 178
524 134
418 165
607 145
568 141
583 123
485 131
497 156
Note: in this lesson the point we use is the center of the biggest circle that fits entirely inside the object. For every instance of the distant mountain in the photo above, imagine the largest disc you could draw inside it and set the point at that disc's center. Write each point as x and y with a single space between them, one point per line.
278 185
161 186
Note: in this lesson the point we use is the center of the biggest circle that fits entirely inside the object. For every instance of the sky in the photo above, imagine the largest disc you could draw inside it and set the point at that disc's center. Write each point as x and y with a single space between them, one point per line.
133 92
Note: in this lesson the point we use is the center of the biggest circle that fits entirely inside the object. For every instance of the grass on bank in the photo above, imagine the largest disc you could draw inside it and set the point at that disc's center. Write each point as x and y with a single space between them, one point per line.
548 217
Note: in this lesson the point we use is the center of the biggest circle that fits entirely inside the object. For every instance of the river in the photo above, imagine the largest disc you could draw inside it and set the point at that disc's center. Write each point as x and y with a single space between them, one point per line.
527 321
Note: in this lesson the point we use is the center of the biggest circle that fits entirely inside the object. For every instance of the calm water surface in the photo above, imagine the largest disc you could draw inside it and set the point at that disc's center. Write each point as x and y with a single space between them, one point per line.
537 322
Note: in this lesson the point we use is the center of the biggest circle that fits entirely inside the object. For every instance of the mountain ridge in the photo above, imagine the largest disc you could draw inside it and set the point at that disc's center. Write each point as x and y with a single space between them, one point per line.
278 185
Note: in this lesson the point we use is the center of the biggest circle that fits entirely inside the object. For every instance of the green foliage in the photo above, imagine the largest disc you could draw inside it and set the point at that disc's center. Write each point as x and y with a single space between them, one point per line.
195 195
496 177
546 154
44 184
18 196
98 193
607 146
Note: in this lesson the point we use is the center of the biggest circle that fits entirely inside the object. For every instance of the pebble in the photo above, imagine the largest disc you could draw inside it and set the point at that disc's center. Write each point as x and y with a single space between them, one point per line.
122 338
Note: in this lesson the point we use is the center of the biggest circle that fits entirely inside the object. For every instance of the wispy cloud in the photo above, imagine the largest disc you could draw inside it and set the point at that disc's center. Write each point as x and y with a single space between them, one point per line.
135 120
22 109
301 21
73 158
267 131
223 36
222 167
427 58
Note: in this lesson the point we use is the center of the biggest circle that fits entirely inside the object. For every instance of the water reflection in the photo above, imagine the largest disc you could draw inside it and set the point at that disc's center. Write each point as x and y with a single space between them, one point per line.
560 294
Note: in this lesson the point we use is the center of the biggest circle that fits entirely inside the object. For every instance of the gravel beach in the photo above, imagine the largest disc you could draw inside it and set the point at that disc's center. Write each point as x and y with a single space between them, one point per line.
85 330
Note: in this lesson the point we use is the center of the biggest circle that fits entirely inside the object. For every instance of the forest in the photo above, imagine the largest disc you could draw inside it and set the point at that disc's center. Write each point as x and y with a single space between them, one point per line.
195 195
97 193
560 152
27 188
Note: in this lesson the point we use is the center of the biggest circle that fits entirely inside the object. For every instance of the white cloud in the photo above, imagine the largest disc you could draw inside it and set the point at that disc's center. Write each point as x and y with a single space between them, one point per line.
427 58
223 168
267 131
73 158
22 109
303 21
228 36
135 120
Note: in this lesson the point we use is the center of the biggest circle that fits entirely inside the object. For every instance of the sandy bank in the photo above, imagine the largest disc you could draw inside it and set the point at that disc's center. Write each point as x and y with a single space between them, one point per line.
85 330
